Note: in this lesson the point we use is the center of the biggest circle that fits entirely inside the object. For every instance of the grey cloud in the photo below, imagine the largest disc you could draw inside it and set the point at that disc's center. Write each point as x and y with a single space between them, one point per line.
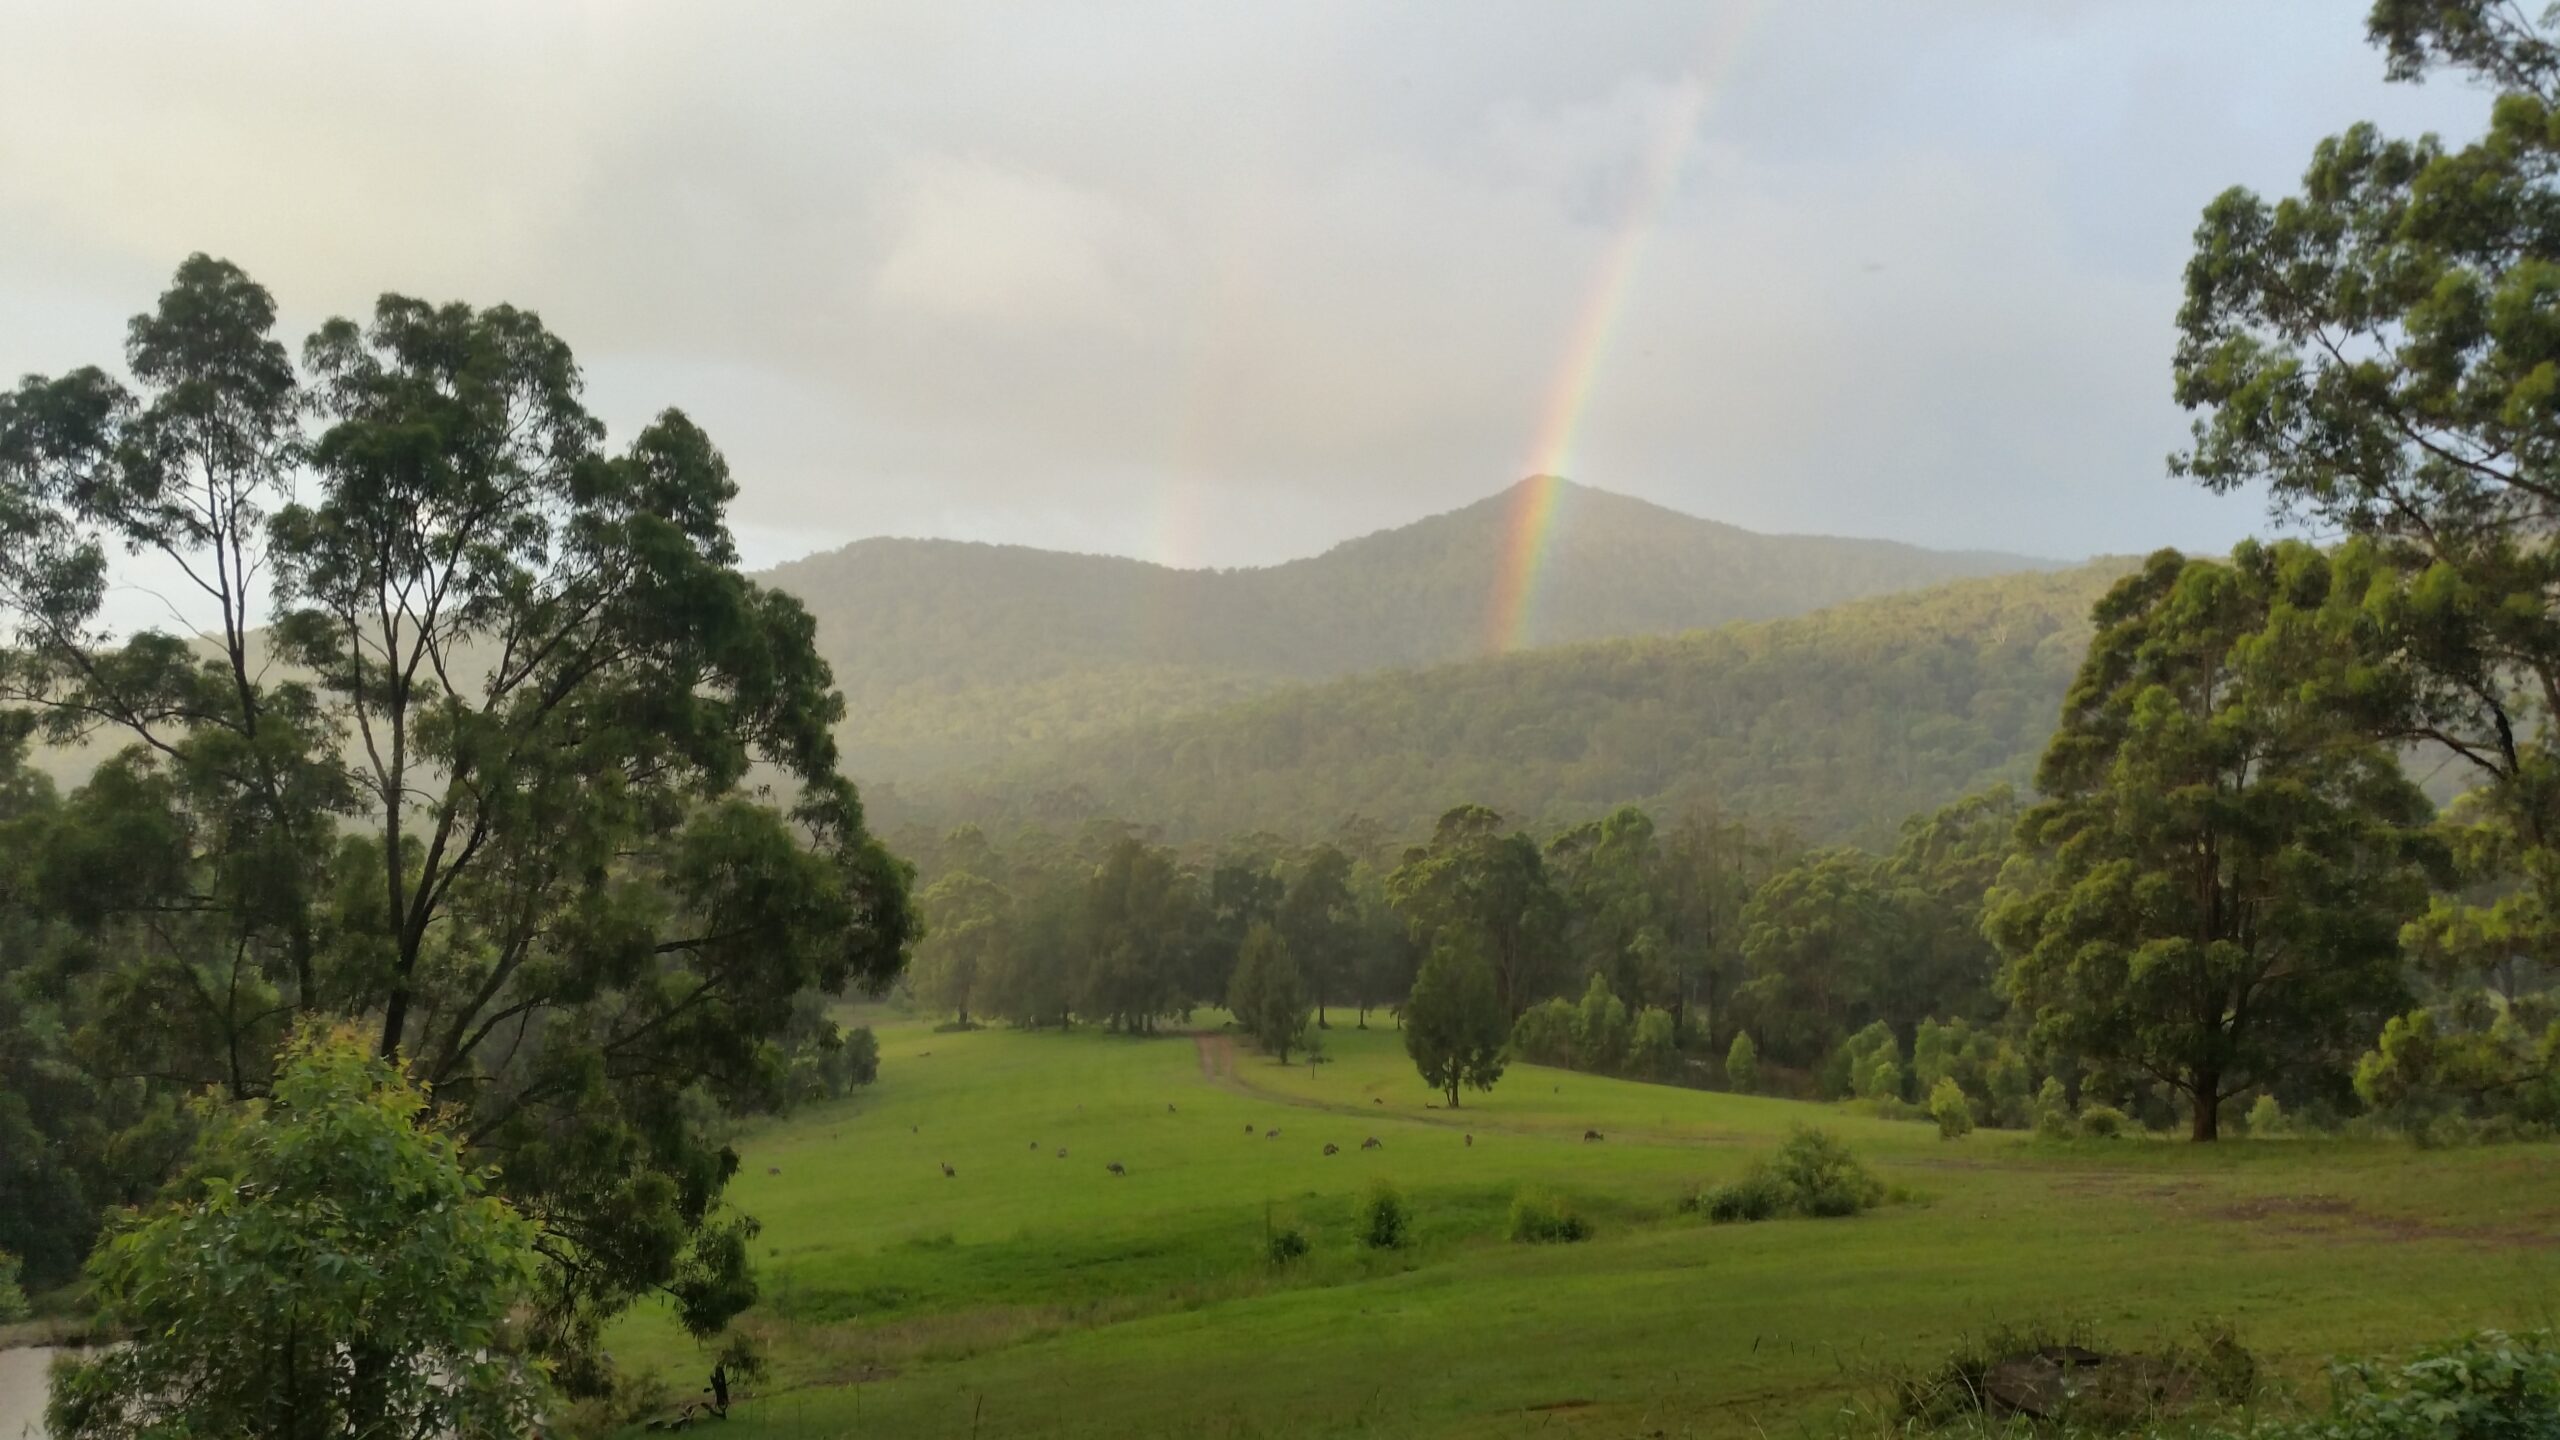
1224 283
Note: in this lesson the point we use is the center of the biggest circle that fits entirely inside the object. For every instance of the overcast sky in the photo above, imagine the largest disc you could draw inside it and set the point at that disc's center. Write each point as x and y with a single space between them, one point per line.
1222 283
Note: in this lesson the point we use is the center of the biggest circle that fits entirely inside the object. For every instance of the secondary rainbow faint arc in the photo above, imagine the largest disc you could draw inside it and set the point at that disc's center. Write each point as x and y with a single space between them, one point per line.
1532 522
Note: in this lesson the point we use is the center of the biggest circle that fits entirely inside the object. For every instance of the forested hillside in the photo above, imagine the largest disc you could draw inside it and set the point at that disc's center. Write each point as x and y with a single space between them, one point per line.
1838 724
951 654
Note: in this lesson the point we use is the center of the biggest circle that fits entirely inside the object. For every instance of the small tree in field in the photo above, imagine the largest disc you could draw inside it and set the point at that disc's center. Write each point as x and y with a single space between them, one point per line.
1268 994
328 1267
1455 1025
1742 1064
1950 1109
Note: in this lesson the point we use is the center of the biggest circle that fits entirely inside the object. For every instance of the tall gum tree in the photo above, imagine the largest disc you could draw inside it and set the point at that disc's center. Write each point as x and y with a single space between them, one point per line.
491 748
2212 890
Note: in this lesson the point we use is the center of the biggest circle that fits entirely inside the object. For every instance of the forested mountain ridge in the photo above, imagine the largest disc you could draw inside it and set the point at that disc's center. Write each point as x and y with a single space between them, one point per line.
1838 724
952 654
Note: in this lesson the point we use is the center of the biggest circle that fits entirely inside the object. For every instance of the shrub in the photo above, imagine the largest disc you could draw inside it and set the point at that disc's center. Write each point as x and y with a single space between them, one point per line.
2103 1122
1950 1109
1812 1174
1545 1220
1742 1065
2266 1117
1756 1196
1820 1175
13 1301
1385 1220
1286 1243
2488 1385
1543 1035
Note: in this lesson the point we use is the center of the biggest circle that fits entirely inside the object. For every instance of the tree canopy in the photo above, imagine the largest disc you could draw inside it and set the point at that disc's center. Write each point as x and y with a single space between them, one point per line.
473 751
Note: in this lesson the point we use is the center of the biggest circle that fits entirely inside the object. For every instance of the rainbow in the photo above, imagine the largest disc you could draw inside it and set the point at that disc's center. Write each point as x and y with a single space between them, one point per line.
1537 501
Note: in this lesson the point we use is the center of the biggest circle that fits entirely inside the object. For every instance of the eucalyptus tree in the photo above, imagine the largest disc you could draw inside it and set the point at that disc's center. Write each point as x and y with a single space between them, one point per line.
486 744
2212 891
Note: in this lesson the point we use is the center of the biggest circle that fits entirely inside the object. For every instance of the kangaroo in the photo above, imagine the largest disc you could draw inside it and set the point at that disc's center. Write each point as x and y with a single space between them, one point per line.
1332 1149
1590 1135
1271 1134
1062 1152
1373 1143
1116 1168
1471 1141
948 1173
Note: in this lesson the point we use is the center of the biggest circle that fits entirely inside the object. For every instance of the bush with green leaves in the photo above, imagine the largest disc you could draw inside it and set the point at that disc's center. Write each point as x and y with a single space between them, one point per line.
1756 1196
328 1265
2488 1386
1950 1109
1539 1219
1544 1033
1600 1033
1285 1243
13 1301
1742 1065
2266 1117
1386 1221
2103 1122
1813 1174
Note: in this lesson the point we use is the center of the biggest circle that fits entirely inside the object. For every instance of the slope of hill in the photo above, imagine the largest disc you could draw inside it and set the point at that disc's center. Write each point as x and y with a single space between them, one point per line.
952 653
1838 723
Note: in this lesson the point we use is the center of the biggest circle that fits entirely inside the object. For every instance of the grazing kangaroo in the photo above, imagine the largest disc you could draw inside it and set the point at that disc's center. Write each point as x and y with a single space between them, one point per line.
1248 1127
1332 1149
1271 1134
773 1169
1590 1135
1168 1107
948 1173
1471 1140
1035 1144
1373 1143
1062 1152
1116 1168
1381 1099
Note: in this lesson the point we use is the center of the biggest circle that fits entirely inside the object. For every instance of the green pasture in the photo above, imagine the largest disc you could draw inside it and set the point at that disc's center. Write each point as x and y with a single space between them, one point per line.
1034 1294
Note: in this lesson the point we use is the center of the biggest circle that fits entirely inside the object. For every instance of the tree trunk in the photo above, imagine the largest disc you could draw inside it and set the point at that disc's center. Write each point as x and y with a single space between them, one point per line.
2208 1108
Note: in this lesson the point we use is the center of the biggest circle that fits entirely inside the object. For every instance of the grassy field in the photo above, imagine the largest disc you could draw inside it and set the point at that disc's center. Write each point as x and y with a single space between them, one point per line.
1032 1293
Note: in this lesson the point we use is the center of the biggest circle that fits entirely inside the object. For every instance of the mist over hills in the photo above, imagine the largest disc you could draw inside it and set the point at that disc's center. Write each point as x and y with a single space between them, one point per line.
955 654
1837 724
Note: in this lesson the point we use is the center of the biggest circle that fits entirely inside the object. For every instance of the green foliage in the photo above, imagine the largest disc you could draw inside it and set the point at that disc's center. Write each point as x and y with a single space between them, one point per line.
1948 1106
2266 1117
1813 1175
1477 886
463 755
2488 1386
1842 722
2473 1056
1542 1219
1757 1195
328 1266
13 1300
1600 1028
2104 1122
1268 994
1454 1024
1286 1242
1742 1064
1655 1051
1863 1061
1544 1033
2214 891
1385 1219
2427 453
